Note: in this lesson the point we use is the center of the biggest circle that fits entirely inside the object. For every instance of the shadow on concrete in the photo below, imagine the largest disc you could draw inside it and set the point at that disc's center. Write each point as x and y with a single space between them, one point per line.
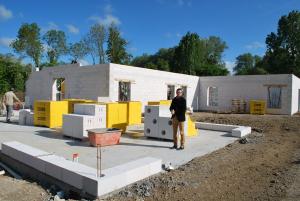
78 143
143 145
49 134
227 135
11 122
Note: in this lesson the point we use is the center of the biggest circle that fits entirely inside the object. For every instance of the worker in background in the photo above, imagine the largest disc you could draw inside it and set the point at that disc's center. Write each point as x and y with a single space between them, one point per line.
178 109
8 100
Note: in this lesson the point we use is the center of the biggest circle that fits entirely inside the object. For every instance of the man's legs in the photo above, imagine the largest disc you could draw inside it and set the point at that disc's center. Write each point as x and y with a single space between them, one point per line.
181 129
8 112
175 129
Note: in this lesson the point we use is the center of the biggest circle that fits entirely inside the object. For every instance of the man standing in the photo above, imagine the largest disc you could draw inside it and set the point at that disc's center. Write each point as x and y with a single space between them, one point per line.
8 100
178 109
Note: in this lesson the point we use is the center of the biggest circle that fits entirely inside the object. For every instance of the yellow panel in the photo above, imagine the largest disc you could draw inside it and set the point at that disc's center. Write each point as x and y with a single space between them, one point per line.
161 102
153 102
134 114
112 116
192 131
50 113
122 112
165 102
257 107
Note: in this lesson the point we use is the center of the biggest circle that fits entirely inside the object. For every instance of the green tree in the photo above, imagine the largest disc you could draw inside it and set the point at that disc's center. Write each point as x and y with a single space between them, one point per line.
28 42
78 51
283 47
94 42
247 64
57 45
12 73
214 48
116 47
189 54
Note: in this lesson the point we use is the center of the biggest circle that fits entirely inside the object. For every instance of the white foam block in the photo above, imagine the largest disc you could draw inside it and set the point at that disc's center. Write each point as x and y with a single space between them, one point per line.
90 109
157 111
165 128
75 125
151 126
241 131
25 154
122 175
81 176
22 116
29 119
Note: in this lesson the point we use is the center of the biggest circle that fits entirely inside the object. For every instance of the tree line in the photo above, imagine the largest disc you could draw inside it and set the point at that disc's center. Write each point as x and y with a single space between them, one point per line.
283 51
30 43
192 55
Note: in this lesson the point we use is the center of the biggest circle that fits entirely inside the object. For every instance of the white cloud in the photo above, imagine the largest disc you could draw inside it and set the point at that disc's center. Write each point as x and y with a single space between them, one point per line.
255 45
50 26
83 62
5 13
5 41
107 20
230 65
72 29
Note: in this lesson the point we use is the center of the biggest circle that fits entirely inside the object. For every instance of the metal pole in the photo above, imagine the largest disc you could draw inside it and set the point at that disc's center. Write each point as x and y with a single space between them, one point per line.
100 162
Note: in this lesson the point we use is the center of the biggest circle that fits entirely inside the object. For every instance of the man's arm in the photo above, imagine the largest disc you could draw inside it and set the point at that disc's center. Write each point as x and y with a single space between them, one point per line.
172 107
16 98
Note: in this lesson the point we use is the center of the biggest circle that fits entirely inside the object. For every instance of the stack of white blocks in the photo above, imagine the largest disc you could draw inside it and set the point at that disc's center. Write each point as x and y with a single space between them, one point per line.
25 117
158 122
86 116
81 176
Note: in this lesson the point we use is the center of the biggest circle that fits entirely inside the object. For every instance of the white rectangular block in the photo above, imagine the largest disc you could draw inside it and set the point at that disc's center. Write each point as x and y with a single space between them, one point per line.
22 116
80 176
25 154
157 111
165 128
75 125
90 109
151 126
29 119
241 131
122 175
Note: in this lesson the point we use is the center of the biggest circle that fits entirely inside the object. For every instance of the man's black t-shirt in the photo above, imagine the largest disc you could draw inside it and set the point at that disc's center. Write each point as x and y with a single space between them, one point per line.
179 106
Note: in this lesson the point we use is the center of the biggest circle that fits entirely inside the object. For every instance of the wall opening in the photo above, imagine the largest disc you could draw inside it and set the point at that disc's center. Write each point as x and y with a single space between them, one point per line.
170 92
184 91
124 91
274 97
58 89
212 96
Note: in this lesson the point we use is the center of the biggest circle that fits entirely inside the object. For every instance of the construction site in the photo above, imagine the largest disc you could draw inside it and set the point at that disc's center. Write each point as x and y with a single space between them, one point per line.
112 141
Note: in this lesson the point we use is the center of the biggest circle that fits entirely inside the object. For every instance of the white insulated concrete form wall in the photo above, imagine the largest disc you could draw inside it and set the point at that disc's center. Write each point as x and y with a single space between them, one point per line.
91 82
87 82
250 87
151 85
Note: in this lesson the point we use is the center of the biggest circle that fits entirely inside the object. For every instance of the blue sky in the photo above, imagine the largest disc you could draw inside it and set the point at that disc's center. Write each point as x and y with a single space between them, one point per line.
152 24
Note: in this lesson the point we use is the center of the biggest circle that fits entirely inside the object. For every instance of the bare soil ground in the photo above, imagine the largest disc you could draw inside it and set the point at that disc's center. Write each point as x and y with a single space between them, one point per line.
266 167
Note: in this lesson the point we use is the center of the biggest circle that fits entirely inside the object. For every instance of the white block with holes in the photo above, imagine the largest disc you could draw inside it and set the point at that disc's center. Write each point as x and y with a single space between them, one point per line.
29 119
165 128
157 111
90 109
76 126
151 126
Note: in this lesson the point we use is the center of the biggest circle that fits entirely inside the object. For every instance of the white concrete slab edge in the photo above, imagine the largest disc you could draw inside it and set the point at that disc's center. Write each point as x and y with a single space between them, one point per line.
81 176
235 130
